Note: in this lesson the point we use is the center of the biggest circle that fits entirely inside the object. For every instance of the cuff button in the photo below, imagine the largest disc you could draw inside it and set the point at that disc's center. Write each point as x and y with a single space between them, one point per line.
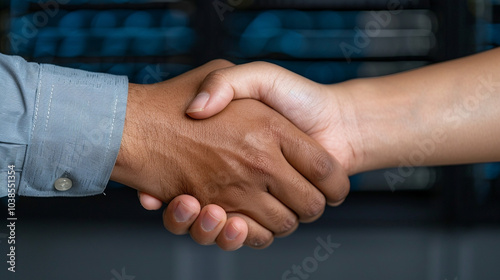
63 184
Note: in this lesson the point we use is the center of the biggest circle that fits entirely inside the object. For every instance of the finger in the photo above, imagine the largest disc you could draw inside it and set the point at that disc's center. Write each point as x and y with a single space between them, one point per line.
269 212
180 214
298 194
312 161
258 236
214 95
233 234
220 87
149 202
208 225
262 81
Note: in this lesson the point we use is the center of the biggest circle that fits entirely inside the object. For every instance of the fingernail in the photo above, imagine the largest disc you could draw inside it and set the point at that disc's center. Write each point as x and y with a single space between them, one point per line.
199 103
232 232
209 222
182 213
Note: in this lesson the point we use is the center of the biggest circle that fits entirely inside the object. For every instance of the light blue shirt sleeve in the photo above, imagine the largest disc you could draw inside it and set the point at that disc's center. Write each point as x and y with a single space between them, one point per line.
58 122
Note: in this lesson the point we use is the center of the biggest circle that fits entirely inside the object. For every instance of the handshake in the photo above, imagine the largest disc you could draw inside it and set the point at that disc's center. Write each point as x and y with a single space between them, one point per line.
245 171
256 174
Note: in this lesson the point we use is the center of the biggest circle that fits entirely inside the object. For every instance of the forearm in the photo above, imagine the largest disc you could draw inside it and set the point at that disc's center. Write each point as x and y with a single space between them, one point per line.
441 114
128 163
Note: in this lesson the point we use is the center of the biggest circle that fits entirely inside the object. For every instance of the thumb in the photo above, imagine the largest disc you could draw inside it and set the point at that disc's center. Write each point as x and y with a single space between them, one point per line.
253 80
149 202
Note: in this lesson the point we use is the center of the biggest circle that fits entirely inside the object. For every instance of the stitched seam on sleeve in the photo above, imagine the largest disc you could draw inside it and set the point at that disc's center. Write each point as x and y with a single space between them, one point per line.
48 110
112 125
22 178
39 90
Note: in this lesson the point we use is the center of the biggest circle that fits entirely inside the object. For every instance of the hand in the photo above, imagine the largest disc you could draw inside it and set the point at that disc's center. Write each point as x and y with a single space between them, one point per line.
246 159
442 114
318 110
310 106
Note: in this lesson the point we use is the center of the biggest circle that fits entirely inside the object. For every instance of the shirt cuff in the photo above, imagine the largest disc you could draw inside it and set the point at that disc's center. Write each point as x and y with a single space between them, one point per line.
76 133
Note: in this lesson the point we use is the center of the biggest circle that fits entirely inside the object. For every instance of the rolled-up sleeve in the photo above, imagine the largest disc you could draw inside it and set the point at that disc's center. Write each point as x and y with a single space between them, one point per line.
59 123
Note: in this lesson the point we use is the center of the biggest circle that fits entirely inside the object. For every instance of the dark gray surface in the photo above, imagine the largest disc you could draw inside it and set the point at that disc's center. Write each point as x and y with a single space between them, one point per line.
93 250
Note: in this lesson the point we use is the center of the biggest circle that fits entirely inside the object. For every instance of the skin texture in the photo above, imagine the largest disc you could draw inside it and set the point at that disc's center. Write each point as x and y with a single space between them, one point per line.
266 174
442 114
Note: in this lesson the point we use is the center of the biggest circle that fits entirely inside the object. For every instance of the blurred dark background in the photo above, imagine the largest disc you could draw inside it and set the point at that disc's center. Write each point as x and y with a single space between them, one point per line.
438 223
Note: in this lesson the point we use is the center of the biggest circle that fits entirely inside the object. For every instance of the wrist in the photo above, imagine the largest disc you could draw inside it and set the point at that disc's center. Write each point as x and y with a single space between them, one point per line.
379 122
123 168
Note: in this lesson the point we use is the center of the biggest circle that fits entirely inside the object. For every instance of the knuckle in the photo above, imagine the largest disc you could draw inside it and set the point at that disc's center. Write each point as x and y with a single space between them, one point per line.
262 64
273 126
259 162
322 166
268 70
315 206
342 192
312 203
260 241
288 226
283 222
222 63
217 76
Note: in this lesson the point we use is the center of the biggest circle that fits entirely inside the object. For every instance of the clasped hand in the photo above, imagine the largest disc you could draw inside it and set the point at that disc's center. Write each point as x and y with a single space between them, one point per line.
250 161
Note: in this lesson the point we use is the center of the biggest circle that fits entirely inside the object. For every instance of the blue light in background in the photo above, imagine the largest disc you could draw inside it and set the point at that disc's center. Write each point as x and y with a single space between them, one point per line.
139 19
105 19
73 44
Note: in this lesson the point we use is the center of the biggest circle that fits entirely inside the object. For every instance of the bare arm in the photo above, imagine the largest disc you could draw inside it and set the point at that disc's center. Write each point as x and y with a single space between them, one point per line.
446 113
